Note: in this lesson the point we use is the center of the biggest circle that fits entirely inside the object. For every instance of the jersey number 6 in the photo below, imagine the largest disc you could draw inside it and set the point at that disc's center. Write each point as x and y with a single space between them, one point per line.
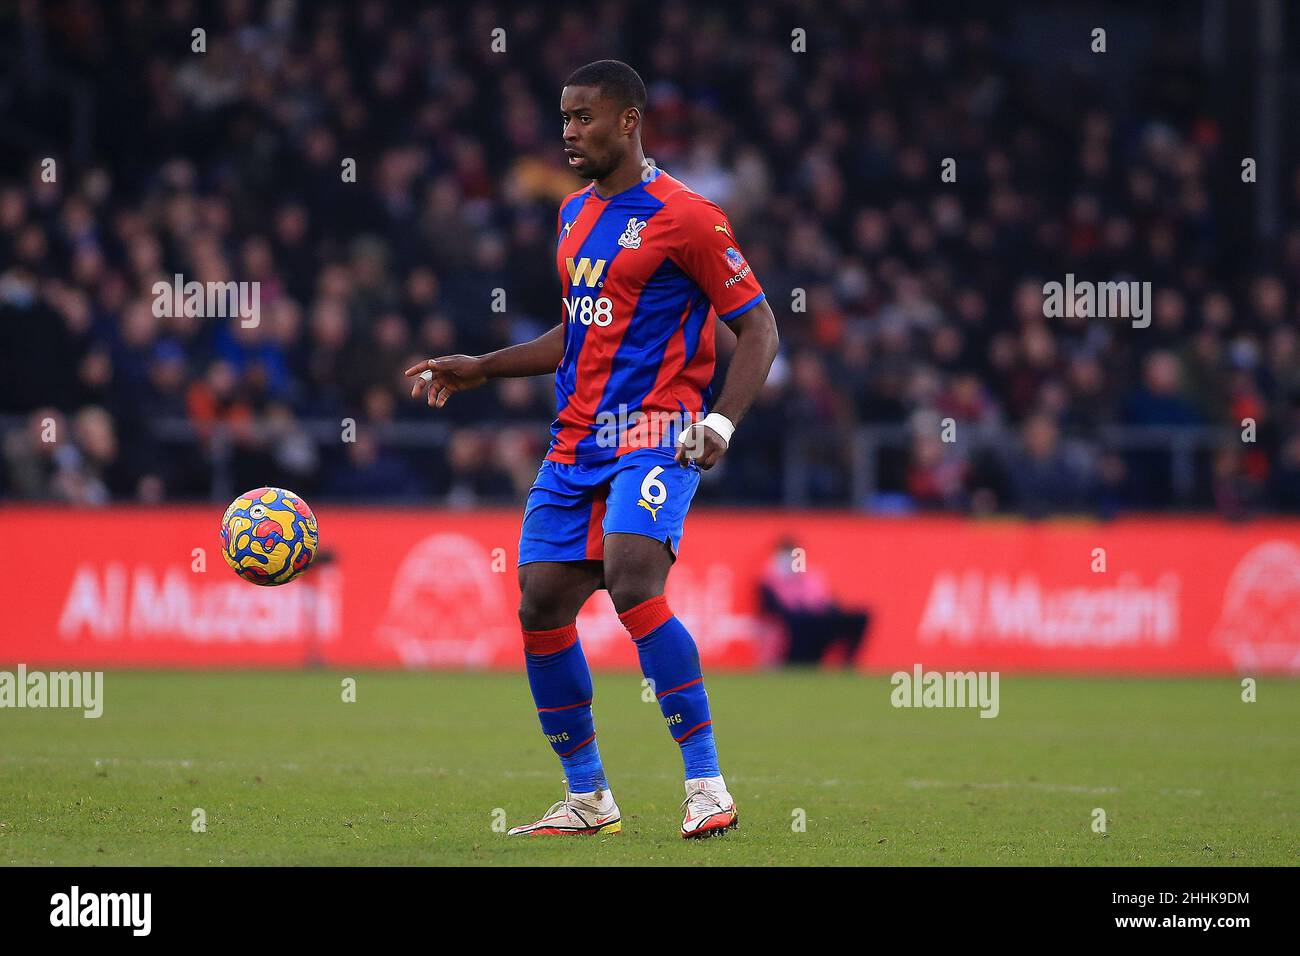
652 489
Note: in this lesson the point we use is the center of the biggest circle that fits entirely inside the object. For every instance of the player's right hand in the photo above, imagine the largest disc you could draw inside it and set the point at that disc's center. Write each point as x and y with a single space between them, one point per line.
445 376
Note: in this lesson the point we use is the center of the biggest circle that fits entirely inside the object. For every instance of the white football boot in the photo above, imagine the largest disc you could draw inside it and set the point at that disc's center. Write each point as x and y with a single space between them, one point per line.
580 813
710 809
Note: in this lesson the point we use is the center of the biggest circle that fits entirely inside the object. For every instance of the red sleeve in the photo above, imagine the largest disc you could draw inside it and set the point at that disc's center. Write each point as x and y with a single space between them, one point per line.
707 251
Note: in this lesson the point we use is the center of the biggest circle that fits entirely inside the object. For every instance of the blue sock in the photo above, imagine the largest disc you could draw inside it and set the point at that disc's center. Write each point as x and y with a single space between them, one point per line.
671 661
561 686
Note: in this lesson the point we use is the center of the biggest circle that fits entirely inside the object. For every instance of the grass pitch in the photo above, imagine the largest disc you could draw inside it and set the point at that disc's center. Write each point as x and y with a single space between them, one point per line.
420 768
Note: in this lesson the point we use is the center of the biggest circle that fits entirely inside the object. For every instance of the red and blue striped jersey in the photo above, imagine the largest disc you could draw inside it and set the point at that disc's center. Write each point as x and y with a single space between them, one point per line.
642 273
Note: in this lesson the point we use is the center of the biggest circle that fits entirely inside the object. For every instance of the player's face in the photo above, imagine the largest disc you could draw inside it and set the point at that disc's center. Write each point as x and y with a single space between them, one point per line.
594 132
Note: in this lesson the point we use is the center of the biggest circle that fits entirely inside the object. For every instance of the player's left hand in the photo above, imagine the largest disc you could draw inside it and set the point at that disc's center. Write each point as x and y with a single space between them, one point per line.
701 444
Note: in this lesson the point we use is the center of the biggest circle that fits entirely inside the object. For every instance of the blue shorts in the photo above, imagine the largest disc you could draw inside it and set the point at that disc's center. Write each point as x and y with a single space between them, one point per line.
571 508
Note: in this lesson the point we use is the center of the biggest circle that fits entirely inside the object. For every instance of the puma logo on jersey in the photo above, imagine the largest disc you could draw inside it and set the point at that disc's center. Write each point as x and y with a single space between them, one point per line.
722 229
568 226
654 511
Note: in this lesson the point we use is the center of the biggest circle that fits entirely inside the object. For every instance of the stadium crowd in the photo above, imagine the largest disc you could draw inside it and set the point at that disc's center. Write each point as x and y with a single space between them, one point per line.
902 299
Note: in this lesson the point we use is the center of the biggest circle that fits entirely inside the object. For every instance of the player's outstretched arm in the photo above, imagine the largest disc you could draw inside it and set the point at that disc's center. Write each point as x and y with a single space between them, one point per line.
756 345
445 376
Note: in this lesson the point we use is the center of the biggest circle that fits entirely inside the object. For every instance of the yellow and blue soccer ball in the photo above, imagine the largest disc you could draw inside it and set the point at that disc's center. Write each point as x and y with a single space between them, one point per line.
268 536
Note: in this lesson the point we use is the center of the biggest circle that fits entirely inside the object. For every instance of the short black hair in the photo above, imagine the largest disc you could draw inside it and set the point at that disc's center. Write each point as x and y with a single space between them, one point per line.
614 79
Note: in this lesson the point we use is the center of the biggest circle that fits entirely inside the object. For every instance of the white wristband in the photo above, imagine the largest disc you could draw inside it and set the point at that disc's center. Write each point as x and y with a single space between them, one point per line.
719 423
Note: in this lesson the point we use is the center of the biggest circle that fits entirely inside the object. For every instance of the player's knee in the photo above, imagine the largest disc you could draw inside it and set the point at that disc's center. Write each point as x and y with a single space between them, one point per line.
542 610
538 614
627 594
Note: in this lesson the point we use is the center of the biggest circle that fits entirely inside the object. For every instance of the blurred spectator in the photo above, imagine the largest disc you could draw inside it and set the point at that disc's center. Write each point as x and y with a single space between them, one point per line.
817 629
1236 494
936 477
1159 399
34 456
476 472
369 474
1286 479
1046 477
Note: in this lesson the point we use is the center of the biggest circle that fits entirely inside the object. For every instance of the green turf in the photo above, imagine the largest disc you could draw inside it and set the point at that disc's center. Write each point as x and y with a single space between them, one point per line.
413 771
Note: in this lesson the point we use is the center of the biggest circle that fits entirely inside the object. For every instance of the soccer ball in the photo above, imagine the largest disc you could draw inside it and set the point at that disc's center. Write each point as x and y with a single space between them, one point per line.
268 536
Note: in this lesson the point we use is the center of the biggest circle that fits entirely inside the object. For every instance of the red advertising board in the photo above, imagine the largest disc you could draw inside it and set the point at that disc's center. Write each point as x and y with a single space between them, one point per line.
424 588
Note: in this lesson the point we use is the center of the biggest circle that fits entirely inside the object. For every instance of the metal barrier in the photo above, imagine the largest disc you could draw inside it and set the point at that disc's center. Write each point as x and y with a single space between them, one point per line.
853 454
1181 443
